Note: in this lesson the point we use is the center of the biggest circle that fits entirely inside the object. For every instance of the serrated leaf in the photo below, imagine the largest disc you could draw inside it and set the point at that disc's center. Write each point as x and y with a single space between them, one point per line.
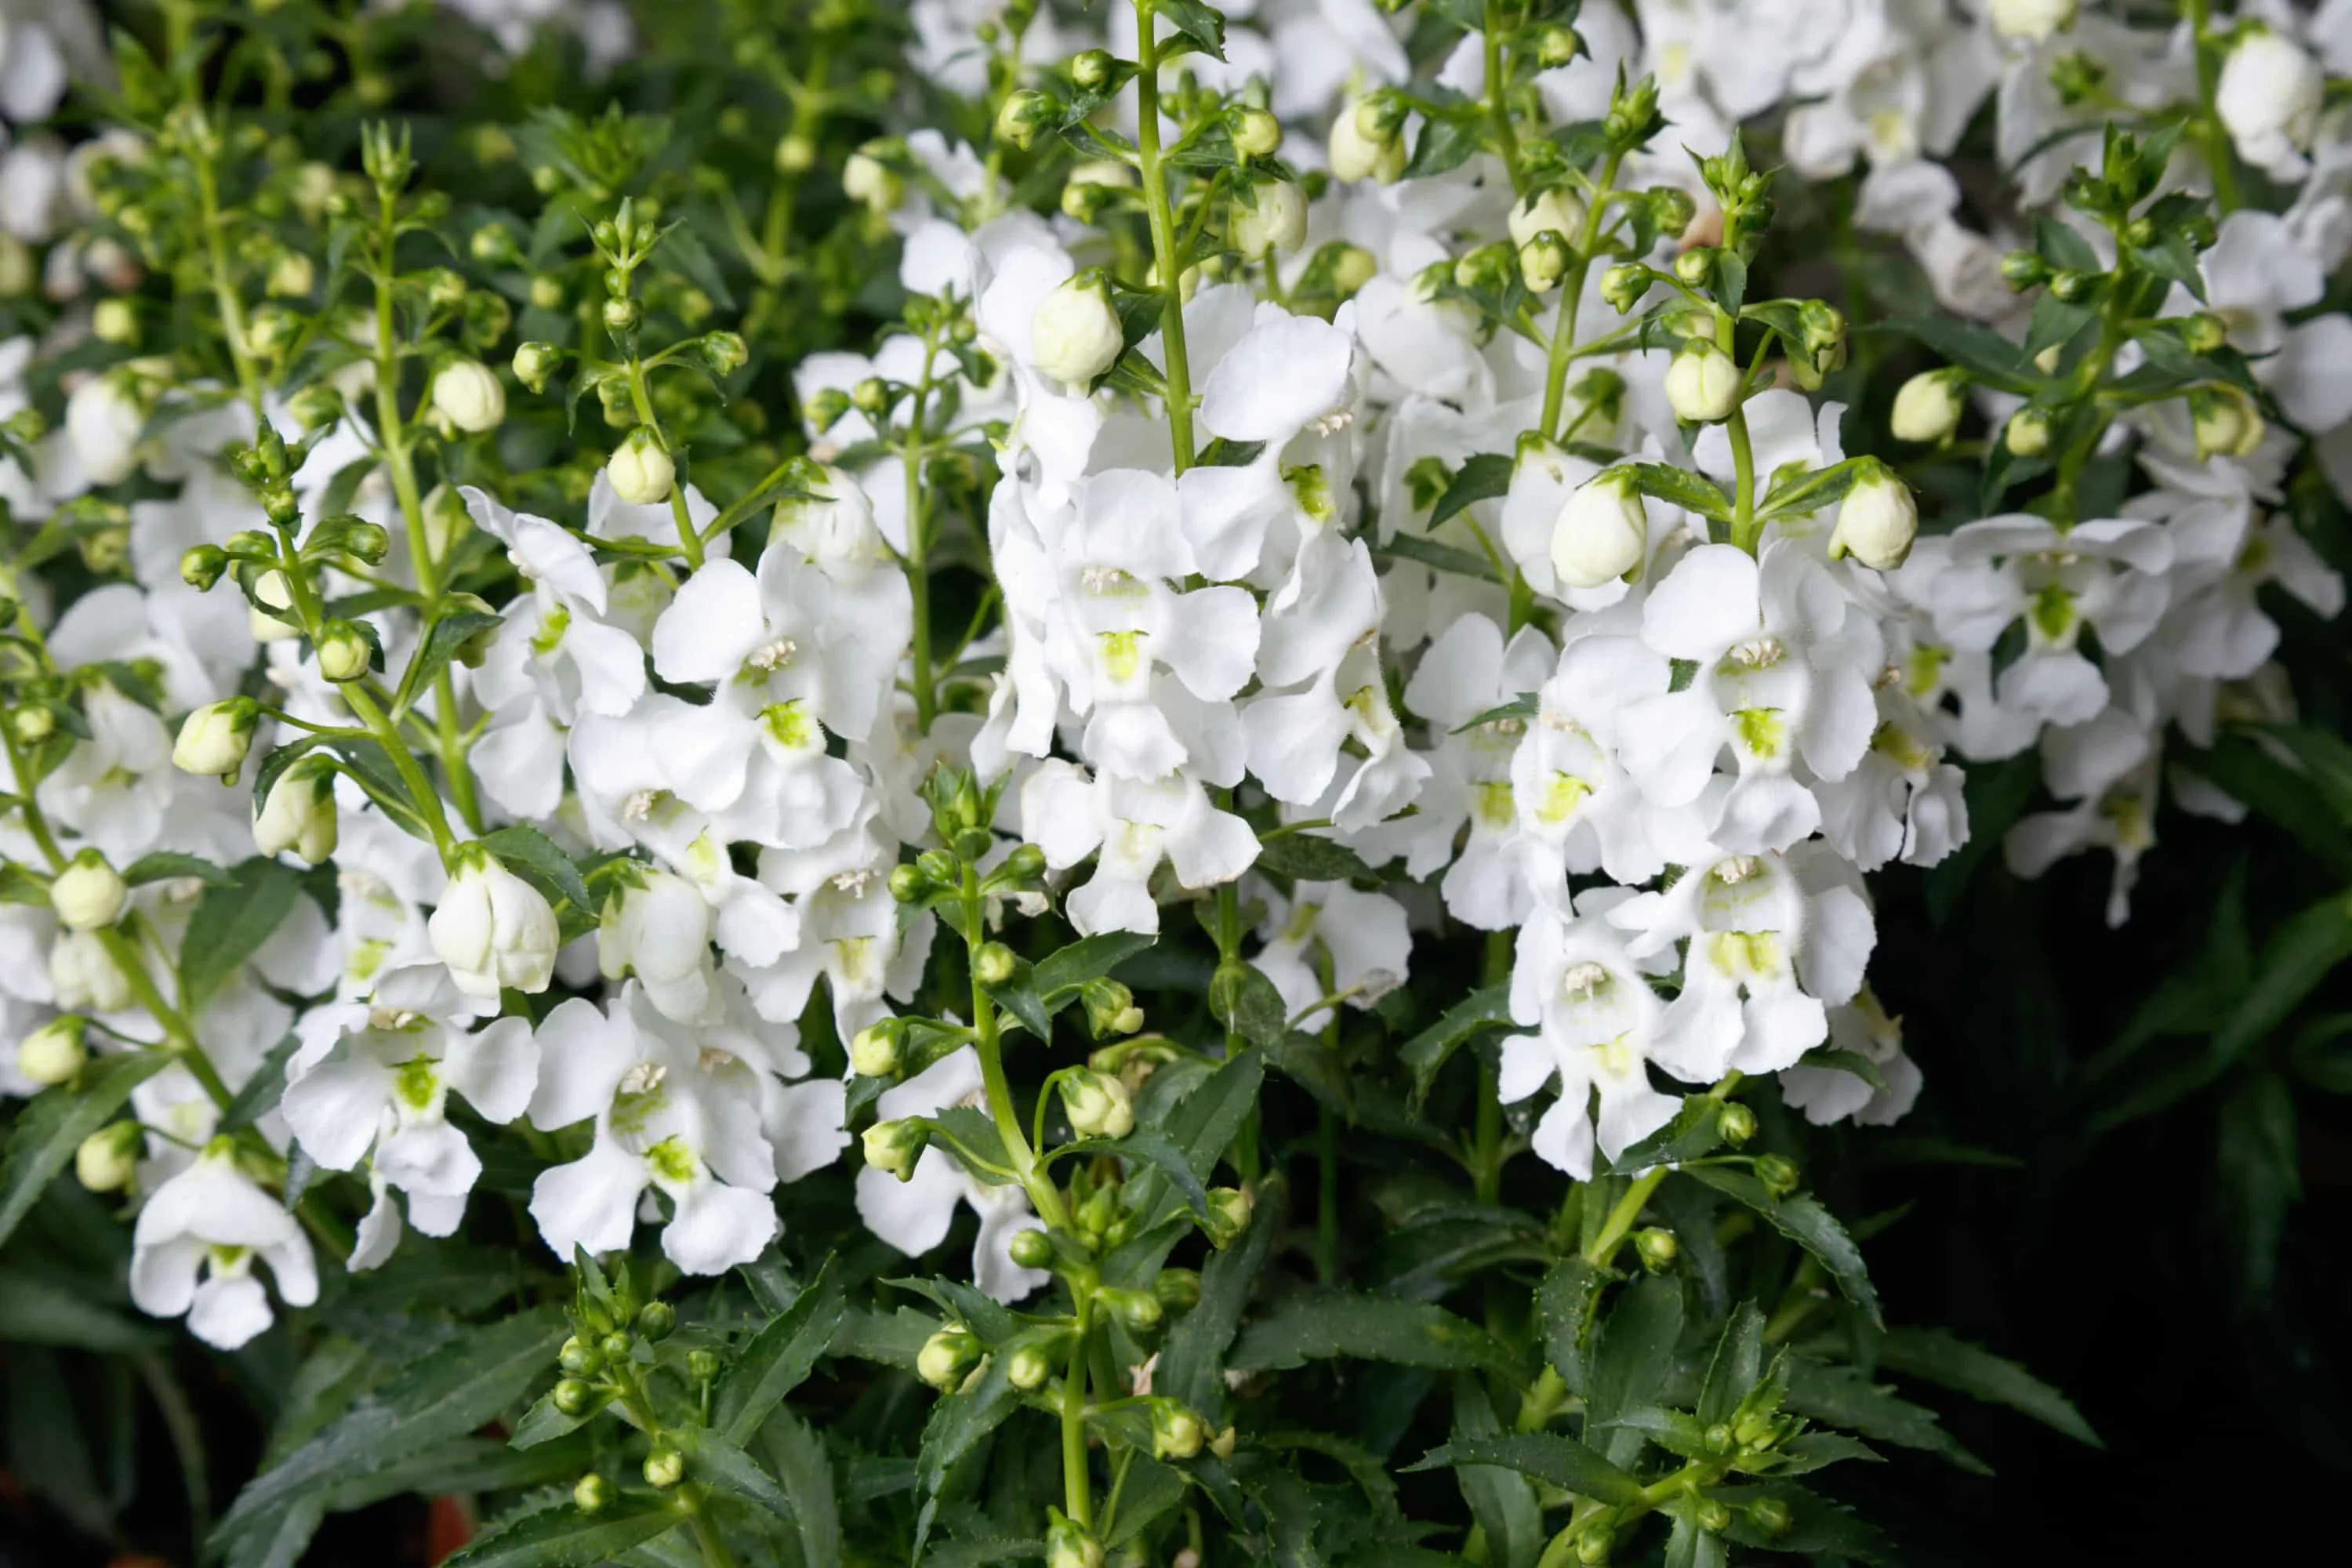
1192 1359
778 1358
1201 22
1734 1368
449 634
164 864
1941 1357
1446 142
1257 1011
452 1391
1484 477
1058 977
1981 352
1693 1131
796 1456
543 1423
230 924
1802 1218
2054 321
1370 1328
54 1123
1305 857
1631 1353
712 1459
1843 1396
1818 1527
957 1422
1564 1304
563 1537
1546 1456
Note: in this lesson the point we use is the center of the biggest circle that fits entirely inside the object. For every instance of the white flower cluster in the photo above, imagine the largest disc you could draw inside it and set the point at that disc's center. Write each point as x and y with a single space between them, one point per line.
1661 749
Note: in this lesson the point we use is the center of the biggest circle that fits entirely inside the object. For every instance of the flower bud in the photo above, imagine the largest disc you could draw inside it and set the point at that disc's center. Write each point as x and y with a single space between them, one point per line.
938 868
85 975
1594 1545
214 740
1778 1173
2027 434
1358 153
55 1052
469 395
657 1321
869 182
492 928
2204 333
1702 384
1255 132
1022 115
1176 1431
1927 409
1736 1122
344 651
893 1147
665 1468
1075 335
1139 1311
1713 1514
622 314
271 596
107 1160
1070 1545
1557 46
31 724
89 893
1657 1247
947 1356
1556 211
1028 1367
874 1050
1110 1008
2073 286
1624 285
724 352
640 471
592 1494
1877 521
1601 532
1092 69
1352 266
2032 20
908 885
1544 261
1098 1105
571 1397
1177 1288
580 1359
1031 1248
1024 868
993 963
114 320
1228 1215
2226 422
298 812
202 566
1276 223
703 1365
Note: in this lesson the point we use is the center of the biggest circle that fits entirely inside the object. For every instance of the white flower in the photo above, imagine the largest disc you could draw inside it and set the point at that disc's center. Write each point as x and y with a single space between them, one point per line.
1926 408
1785 665
1576 983
1601 532
1358 156
1554 211
1578 808
2032 20
298 812
103 420
1075 335
1130 825
913 1215
1277 222
656 926
2269 98
469 395
1832 1094
214 740
1329 940
198 1240
372 1079
493 928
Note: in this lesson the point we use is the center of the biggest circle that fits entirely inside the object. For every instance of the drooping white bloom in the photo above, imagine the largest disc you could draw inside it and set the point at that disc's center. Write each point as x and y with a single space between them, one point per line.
1827 1094
195 1244
913 1215
1329 940
493 930
1129 826
656 926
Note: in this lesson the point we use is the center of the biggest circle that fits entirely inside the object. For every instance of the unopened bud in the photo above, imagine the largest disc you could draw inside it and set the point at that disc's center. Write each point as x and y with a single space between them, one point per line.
534 363
1255 132
874 1050
89 893
592 1494
344 651
1098 1104
1176 1431
1022 115
665 1468
1031 1248
2023 269
573 1396
640 471
947 1356
1737 1123
703 1365
895 1146
1177 1288
1927 407
108 1159
1028 1367
1228 1215
1139 1311
2027 435
1657 1246
1778 1173
214 740
1544 261
55 1052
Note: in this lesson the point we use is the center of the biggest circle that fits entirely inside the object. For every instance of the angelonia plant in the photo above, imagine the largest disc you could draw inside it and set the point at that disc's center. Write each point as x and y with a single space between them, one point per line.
835 784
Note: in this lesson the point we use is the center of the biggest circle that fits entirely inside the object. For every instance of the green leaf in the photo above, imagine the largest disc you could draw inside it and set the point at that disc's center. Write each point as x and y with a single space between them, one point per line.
1058 978
1818 1527
2056 321
261 1091
1843 1396
1689 1546
1695 1130
712 1459
1799 495
1632 1353
38 1311
230 924
1308 859
1680 487
50 1128
1801 1217
1447 144
1193 1357
2326 761
1147 1147
1019 996
777 1359
449 634
957 1421
164 864
1523 707
1426 1052
534 857
452 1391
1941 1357
796 1454
2063 247
1197 20
1984 353
2293 801
563 1537
1441 557
1370 1328
1555 1461
1853 1063
1564 1304
1737 1363
543 1423
1482 478
1502 1500
1258 1014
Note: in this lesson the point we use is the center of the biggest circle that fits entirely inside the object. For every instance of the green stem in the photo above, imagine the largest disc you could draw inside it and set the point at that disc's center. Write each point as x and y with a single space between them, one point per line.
919 578
1077 1483
1571 300
1498 108
641 399
2211 135
224 296
707 1539
989 1044
1166 255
